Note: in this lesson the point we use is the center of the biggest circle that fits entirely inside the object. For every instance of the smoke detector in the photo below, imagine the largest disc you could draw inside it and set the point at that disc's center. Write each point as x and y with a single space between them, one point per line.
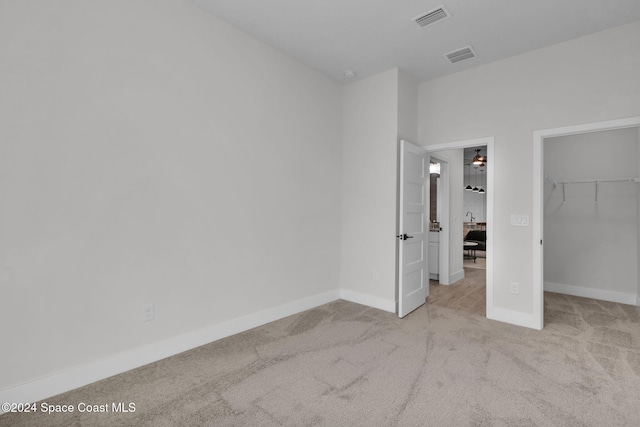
349 74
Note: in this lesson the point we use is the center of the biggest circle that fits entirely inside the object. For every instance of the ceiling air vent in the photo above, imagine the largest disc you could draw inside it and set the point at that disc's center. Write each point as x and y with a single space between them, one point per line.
461 54
432 16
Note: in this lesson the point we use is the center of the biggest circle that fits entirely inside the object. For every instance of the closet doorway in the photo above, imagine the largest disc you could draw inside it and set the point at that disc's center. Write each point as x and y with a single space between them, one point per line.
586 226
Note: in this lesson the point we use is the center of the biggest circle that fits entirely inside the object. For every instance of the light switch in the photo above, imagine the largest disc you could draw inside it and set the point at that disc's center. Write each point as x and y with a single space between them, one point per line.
520 220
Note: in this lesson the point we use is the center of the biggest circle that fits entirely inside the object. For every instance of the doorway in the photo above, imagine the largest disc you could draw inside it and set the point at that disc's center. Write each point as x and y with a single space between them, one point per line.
474 223
439 220
452 235
539 180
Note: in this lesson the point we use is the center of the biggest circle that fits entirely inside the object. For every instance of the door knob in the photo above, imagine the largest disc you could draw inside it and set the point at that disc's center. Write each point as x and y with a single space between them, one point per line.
404 237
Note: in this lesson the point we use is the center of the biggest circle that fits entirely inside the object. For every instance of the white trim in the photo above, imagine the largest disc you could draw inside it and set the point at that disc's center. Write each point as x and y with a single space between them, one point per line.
490 223
537 219
514 317
536 228
628 122
443 244
454 145
79 376
489 142
601 294
368 300
458 275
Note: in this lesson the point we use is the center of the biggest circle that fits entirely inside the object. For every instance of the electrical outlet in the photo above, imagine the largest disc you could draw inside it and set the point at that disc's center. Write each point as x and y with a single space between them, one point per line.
148 312
376 276
514 288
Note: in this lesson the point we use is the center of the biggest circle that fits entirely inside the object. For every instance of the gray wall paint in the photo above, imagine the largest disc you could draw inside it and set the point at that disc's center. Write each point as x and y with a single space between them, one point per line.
588 244
407 107
369 150
153 154
377 112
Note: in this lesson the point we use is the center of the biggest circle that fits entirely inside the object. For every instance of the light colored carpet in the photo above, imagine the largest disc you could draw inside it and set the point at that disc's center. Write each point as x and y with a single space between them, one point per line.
344 364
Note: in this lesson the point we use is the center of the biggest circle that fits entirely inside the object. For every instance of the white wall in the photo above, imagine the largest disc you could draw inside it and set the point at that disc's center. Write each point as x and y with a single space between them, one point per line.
153 154
590 79
592 245
407 107
378 112
407 130
370 121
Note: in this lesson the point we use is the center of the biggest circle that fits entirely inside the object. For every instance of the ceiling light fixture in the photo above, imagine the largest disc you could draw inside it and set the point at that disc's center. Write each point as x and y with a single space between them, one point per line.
349 74
481 190
478 159
475 187
434 168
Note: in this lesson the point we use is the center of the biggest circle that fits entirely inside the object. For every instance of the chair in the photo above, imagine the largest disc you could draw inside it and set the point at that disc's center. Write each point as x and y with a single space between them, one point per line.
479 237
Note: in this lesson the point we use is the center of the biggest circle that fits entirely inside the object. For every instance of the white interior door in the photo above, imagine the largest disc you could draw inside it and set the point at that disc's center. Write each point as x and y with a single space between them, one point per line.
413 281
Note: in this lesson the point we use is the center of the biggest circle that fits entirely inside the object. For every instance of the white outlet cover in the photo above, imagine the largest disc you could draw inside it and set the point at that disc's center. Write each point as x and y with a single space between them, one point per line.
148 312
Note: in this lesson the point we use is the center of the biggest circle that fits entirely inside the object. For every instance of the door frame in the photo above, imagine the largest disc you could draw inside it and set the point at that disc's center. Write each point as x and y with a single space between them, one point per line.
443 246
537 219
489 142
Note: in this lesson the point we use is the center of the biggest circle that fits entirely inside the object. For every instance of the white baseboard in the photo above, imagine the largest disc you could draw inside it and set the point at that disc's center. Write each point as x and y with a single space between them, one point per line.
638 300
79 376
514 317
458 275
368 300
601 294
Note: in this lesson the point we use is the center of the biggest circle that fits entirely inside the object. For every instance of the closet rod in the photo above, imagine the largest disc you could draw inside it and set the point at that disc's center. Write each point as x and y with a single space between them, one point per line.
587 181
551 181
596 181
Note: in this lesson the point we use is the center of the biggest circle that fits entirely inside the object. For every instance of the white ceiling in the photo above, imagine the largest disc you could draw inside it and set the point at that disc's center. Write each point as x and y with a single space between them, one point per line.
372 36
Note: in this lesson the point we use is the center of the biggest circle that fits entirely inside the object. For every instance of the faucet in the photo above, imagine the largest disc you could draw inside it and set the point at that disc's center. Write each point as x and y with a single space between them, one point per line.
470 213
